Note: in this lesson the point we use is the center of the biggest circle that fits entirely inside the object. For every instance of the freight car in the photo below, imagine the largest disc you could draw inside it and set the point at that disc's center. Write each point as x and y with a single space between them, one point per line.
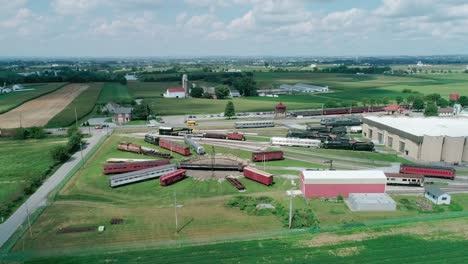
267 155
110 168
172 177
296 142
429 171
120 160
175 131
194 145
230 136
215 135
404 179
258 176
141 175
236 183
348 145
173 146
152 139
129 147
253 124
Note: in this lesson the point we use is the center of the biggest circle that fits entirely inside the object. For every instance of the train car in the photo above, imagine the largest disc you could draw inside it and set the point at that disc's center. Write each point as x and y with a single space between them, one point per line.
120 160
296 142
267 155
175 131
336 144
194 145
173 146
340 122
141 175
155 153
363 146
235 136
172 177
405 179
258 176
129 147
254 124
339 111
236 183
110 168
215 135
429 171
152 139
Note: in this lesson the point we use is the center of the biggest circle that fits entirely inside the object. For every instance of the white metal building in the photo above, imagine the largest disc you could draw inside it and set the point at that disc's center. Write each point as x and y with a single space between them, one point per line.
436 195
371 202
305 88
429 139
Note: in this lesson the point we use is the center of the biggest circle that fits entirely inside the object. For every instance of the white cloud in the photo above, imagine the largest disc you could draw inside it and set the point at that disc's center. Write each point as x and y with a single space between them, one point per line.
74 7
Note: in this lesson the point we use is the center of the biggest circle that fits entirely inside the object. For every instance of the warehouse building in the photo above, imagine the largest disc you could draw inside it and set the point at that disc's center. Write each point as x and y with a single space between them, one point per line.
334 183
425 139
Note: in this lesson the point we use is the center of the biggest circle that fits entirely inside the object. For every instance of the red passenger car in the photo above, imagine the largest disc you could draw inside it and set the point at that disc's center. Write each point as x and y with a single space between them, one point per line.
172 177
258 175
267 156
235 136
173 146
429 171
132 166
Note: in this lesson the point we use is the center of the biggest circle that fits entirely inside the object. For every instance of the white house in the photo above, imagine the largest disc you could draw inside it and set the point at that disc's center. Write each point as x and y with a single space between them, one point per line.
175 93
436 195
131 77
234 93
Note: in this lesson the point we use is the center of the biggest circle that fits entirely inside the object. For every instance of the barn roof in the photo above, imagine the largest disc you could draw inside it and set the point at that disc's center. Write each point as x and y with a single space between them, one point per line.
176 90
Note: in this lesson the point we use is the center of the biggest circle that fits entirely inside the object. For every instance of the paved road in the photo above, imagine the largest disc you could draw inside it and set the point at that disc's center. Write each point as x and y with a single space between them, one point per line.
39 198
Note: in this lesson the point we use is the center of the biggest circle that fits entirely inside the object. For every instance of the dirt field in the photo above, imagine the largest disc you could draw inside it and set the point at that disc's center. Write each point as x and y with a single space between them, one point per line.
39 111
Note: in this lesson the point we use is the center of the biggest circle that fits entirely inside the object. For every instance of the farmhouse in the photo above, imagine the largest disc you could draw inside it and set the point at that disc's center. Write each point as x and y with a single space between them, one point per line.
175 93
436 195
334 183
433 139
122 115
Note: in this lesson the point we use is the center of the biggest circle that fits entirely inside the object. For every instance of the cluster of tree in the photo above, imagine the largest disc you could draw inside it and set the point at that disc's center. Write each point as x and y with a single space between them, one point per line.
354 70
64 76
63 152
32 132
245 84
141 112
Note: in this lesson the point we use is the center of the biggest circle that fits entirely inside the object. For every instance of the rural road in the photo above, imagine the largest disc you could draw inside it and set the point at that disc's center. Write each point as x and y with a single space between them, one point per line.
39 198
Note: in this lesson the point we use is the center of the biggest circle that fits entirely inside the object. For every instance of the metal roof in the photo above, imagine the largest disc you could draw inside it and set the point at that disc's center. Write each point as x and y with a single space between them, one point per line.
422 126
437 192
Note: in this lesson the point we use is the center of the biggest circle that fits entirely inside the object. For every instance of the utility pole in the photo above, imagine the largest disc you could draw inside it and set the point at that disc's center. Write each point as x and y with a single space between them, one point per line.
29 219
213 161
264 160
21 121
329 162
290 208
175 211
81 146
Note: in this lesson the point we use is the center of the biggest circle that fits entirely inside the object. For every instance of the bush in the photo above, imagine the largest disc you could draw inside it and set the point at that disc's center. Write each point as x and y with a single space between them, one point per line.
37 132
21 133
60 153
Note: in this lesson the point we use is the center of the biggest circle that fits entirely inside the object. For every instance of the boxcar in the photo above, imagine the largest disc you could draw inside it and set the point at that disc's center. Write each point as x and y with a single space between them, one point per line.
404 179
172 177
267 155
252 124
173 146
110 168
215 135
429 171
258 175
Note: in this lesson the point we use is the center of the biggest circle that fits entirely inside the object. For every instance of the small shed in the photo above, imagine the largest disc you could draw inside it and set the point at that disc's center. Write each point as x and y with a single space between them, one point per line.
436 195
371 202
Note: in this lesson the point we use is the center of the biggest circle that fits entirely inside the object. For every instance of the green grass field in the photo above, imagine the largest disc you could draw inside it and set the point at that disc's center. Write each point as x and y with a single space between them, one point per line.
417 243
150 89
11 100
114 92
346 87
84 104
23 161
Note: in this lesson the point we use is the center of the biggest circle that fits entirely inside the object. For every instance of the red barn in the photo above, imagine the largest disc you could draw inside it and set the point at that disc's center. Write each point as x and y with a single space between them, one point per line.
334 183
454 97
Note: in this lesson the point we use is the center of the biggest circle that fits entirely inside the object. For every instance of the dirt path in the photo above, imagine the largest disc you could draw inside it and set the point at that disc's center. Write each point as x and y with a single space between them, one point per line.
39 111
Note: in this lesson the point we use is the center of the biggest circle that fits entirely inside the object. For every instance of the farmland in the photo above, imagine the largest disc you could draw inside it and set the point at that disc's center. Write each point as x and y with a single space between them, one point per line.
83 103
11 100
18 171
114 92
39 111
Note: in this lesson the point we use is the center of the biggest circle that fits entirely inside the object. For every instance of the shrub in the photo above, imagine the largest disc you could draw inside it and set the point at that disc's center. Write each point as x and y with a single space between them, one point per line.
60 153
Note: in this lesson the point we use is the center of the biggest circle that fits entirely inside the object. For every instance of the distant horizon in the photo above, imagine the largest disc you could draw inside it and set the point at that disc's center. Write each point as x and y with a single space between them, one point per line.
232 28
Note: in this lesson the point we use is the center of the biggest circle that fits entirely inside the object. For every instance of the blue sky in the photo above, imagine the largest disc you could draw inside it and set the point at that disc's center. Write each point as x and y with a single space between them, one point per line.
232 27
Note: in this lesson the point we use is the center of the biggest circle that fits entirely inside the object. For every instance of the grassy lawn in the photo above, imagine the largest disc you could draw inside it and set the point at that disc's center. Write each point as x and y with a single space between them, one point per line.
114 92
22 162
14 99
84 104
408 244
135 123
